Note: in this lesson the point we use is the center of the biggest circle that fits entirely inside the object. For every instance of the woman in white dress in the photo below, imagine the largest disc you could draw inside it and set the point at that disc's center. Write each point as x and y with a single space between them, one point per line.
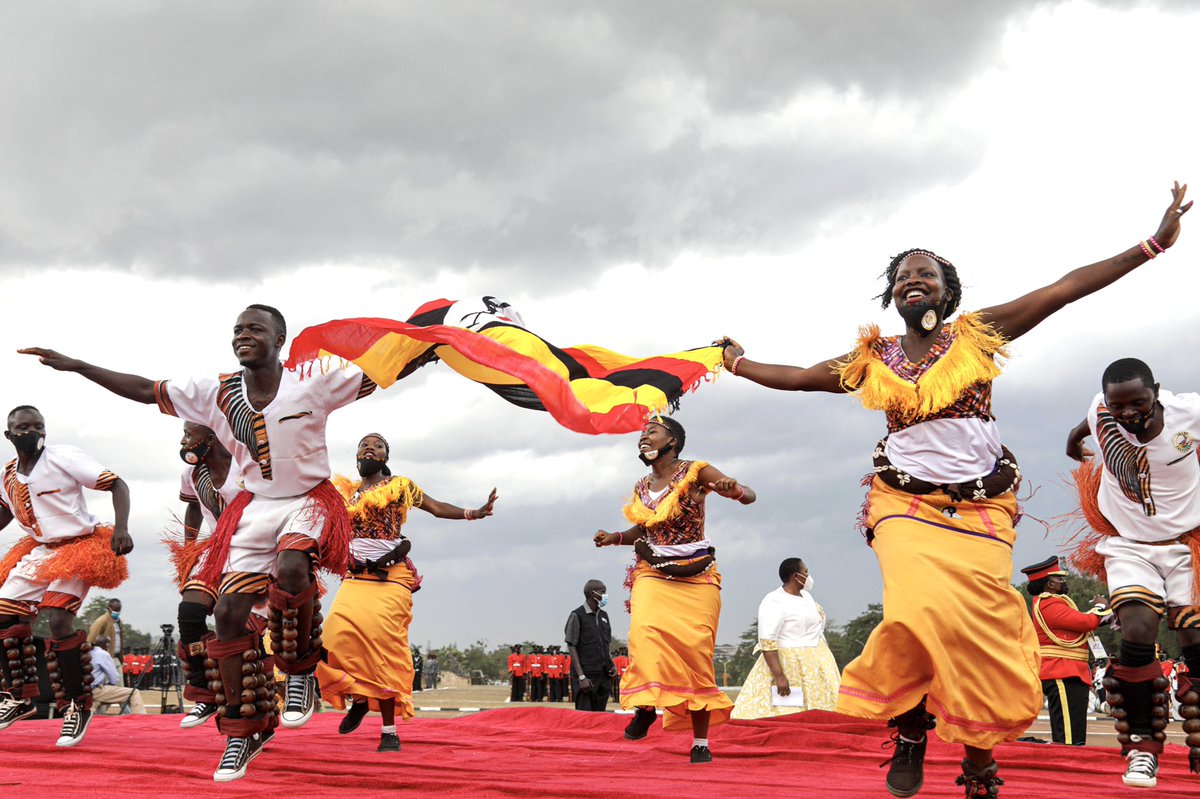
795 659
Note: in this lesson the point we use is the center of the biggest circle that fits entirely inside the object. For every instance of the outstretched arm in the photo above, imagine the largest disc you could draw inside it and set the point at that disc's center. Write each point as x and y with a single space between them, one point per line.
444 510
711 479
821 377
1015 319
1075 448
138 389
606 539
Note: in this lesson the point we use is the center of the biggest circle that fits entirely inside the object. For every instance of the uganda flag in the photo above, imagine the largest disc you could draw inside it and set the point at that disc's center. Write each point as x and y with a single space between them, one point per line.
586 389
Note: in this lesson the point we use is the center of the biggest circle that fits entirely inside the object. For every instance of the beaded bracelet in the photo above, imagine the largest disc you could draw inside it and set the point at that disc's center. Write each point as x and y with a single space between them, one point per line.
741 493
469 515
736 361
1154 243
1151 254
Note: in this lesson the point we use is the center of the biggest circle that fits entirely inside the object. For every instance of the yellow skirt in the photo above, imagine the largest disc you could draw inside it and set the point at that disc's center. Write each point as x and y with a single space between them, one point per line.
810 668
672 633
366 635
953 626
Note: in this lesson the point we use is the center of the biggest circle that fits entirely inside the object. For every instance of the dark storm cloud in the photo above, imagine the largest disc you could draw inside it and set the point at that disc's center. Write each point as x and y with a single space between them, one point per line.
237 139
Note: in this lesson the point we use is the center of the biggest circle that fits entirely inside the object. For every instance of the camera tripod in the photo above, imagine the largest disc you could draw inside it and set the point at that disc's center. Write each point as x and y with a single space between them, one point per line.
166 670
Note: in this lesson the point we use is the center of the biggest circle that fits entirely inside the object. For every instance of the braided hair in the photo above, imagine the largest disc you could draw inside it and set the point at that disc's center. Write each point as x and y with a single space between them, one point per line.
949 272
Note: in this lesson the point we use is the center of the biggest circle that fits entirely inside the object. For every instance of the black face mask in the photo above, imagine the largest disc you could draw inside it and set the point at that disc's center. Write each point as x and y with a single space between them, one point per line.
192 456
30 442
657 456
922 318
368 467
1140 424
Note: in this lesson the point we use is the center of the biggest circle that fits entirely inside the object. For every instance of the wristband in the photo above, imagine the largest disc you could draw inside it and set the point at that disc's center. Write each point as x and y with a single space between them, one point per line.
1154 243
741 493
736 361
1151 254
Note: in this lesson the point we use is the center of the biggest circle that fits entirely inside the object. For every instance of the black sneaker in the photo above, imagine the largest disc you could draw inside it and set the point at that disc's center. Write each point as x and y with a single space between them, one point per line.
388 742
353 717
13 710
1142 769
300 700
200 713
978 782
639 725
75 724
906 773
238 754
701 754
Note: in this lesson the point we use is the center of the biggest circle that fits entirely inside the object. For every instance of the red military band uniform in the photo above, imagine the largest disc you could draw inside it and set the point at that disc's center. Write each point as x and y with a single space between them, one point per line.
516 665
1062 632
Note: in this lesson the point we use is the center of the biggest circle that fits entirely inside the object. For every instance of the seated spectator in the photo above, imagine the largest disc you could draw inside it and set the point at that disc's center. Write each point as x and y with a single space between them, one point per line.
106 682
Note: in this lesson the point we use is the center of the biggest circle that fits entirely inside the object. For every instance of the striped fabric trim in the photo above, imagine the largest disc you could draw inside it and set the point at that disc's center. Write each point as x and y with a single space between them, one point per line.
15 607
1126 462
1136 593
18 492
244 583
248 425
162 398
1065 705
1183 617
297 542
199 585
105 481
366 389
58 599
207 491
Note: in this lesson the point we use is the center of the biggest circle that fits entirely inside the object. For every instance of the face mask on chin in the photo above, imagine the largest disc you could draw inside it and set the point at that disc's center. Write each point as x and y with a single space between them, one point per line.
1140 424
923 318
193 455
29 443
368 467
651 455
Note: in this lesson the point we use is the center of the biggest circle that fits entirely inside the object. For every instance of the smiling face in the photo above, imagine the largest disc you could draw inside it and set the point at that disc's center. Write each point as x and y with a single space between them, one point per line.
919 282
654 440
256 339
372 448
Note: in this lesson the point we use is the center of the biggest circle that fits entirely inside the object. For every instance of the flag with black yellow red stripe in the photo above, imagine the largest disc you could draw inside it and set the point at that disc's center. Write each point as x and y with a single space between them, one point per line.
586 389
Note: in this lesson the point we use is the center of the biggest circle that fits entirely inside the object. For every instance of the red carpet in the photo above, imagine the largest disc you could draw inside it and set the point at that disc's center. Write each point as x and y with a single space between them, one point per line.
537 752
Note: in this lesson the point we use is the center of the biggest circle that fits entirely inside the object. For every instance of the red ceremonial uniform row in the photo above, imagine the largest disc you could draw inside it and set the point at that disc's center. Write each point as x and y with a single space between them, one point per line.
135 665
516 665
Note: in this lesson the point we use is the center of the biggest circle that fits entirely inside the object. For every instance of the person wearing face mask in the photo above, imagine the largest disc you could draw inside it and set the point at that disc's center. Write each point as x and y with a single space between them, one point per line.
588 634
942 501
108 624
1142 503
209 482
795 658
65 552
675 599
368 662
1063 633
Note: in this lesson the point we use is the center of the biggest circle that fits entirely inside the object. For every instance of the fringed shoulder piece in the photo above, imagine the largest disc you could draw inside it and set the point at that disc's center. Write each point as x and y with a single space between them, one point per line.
398 493
970 359
636 511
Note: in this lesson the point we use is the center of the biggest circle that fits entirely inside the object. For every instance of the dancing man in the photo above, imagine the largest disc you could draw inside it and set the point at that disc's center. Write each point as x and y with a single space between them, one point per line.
942 503
65 551
208 484
1063 633
288 520
1145 510
675 598
369 662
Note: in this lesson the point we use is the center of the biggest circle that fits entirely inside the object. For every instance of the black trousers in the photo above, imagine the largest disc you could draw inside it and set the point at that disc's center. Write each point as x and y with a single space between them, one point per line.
1068 701
537 688
596 698
518 689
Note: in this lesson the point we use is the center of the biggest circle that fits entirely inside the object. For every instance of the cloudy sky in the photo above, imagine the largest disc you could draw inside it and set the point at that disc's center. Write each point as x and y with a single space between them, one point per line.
641 176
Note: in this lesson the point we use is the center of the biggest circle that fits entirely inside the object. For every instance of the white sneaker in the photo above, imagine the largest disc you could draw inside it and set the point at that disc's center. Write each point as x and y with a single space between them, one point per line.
1142 770
300 700
238 754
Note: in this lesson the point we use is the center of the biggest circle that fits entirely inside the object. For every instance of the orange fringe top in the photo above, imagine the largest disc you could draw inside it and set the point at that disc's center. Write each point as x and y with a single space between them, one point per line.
381 510
971 359
636 511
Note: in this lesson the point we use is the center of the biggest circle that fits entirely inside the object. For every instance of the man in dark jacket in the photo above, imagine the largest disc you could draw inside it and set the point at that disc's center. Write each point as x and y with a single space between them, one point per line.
588 635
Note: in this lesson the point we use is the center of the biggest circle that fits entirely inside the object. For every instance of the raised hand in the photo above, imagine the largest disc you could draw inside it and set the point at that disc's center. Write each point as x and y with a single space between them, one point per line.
486 509
55 360
732 350
1168 229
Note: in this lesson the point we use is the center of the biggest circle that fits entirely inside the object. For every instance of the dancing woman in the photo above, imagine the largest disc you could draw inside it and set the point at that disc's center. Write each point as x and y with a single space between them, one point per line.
369 663
955 640
675 600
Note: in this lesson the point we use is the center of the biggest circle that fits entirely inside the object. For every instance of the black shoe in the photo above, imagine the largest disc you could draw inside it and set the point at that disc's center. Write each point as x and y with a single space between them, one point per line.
75 724
701 754
200 713
238 754
906 773
266 736
388 742
300 701
13 710
639 725
981 783
353 717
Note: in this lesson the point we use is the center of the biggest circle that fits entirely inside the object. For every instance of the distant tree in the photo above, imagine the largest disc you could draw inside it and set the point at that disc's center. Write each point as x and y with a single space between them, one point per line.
95 608
852 637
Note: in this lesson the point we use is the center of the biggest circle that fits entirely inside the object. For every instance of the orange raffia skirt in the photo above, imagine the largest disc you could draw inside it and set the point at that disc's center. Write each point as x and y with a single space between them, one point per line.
89 558
672 633
366 635
954 629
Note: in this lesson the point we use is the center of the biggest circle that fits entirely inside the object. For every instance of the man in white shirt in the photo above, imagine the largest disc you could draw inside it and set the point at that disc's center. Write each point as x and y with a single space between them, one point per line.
1148 505
64 552
106 680
289 520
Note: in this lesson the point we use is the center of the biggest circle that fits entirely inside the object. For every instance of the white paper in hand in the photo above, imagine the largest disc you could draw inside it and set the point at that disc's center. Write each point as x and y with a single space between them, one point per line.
794 699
